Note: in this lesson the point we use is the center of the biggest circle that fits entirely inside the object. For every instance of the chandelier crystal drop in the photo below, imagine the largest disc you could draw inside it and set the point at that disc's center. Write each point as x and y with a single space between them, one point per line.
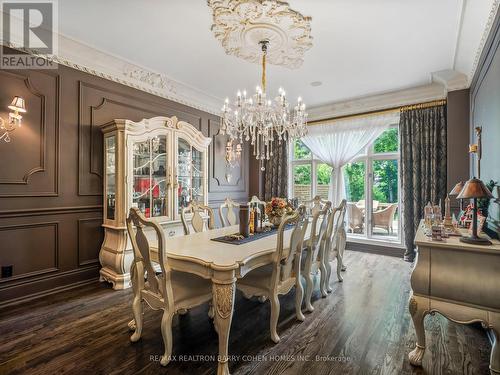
261 120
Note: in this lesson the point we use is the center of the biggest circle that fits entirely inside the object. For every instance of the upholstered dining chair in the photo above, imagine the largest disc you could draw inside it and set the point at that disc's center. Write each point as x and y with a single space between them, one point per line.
229 218
384 218
334 247
314 253
170 291
283 273
197 220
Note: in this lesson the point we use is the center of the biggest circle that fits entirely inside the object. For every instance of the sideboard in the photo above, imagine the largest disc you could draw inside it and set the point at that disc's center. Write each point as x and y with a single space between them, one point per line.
459 281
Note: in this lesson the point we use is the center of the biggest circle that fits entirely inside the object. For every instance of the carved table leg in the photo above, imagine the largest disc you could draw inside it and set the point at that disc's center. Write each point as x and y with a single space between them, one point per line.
223 288
418 313
495 350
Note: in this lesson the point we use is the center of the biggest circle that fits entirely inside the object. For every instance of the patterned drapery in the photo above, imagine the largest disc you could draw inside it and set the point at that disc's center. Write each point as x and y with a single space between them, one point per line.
423 165
276 173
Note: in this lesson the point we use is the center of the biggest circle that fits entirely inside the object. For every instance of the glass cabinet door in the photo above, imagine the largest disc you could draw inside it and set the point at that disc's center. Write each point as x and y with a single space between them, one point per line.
150 188
110 177
197 176
141 177
159 176
190 175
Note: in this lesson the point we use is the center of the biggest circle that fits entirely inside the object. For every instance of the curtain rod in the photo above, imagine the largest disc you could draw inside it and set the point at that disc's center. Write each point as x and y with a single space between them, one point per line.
433 103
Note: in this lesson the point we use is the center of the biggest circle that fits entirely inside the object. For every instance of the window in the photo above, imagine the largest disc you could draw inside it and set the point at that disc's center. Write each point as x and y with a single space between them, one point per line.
371 181
309 176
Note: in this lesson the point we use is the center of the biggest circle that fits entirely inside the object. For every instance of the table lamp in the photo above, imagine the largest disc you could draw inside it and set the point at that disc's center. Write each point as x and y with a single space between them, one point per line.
456 190
474 189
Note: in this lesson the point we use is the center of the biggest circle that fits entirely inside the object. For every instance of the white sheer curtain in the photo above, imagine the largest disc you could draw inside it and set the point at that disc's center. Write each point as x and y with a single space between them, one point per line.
339 142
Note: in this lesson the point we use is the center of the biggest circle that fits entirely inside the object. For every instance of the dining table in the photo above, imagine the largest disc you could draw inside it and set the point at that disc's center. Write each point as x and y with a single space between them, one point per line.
223 264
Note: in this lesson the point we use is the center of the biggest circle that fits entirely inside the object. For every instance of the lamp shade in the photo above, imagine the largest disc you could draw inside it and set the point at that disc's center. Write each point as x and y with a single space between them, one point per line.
474 188
457 188
18 104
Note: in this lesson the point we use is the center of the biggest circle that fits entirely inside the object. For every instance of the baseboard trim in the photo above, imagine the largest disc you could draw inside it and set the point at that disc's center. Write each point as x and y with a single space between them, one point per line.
375 249
37 288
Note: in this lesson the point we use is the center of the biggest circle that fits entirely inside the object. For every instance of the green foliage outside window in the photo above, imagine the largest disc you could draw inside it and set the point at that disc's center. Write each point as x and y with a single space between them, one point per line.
302 174
387 142
300 151
385 186
323 174
354 175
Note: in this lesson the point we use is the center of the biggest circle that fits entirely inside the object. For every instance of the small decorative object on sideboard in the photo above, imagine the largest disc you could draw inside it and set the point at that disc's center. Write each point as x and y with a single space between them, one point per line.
276 209
448 223
475 188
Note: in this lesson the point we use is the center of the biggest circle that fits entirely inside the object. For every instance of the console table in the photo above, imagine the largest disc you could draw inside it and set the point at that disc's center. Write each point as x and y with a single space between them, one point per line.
459 281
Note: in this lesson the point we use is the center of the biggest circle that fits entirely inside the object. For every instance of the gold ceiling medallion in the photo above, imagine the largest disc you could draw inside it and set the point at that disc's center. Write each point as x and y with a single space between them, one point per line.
241 24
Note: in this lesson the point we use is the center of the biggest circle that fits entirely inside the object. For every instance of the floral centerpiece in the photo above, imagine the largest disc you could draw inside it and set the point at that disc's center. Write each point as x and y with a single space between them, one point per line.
276 209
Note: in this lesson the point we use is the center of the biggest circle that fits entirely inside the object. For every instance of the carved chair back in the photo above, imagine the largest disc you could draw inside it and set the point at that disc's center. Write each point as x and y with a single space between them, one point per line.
316 204
318 238
197 220
338 228
288 259
157 287
230 217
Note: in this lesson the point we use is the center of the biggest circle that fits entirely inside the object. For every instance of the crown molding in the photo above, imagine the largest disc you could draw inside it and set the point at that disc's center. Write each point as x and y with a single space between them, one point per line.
486 32
451 79
420 94
85 58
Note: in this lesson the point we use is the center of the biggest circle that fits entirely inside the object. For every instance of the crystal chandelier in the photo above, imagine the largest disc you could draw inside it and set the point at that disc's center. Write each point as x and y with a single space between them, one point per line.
262 121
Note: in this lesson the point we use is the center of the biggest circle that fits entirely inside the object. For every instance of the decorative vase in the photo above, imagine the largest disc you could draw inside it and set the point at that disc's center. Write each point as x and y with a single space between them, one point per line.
275 220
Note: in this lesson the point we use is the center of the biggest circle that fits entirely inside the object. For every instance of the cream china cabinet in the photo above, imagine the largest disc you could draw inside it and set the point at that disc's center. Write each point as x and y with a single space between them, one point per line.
158 165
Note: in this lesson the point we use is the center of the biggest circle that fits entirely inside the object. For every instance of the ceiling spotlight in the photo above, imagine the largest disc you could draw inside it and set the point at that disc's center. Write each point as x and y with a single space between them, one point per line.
316 83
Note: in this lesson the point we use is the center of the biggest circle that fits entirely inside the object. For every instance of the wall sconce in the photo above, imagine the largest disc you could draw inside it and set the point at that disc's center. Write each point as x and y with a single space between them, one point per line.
233 156
17 106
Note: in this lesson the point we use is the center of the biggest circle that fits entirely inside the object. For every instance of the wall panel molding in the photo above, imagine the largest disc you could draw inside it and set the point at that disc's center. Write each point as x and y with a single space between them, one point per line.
10 241
218 169
98 105
88 243
49 134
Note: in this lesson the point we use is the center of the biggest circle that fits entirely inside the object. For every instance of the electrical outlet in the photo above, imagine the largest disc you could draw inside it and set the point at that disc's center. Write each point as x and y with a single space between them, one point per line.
6 271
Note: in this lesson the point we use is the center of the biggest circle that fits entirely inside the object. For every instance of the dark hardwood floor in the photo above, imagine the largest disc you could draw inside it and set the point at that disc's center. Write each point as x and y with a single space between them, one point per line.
363 327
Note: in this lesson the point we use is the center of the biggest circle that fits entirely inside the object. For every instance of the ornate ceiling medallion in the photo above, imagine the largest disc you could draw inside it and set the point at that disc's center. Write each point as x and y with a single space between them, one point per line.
241 24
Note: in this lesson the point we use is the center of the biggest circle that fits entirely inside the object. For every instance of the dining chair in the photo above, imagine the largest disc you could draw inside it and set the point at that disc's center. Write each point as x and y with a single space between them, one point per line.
314 249
170 291
197 220
283 273
334 248
315 204
229 218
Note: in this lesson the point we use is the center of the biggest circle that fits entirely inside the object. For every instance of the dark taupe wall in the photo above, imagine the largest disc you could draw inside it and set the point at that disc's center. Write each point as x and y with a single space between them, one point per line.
51 173
458 140
485 112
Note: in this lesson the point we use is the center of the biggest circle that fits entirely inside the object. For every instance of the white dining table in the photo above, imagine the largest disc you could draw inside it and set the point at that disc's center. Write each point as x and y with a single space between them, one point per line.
223 264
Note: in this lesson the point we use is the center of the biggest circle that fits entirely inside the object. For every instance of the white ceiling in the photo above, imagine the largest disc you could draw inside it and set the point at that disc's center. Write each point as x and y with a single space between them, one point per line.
360 47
